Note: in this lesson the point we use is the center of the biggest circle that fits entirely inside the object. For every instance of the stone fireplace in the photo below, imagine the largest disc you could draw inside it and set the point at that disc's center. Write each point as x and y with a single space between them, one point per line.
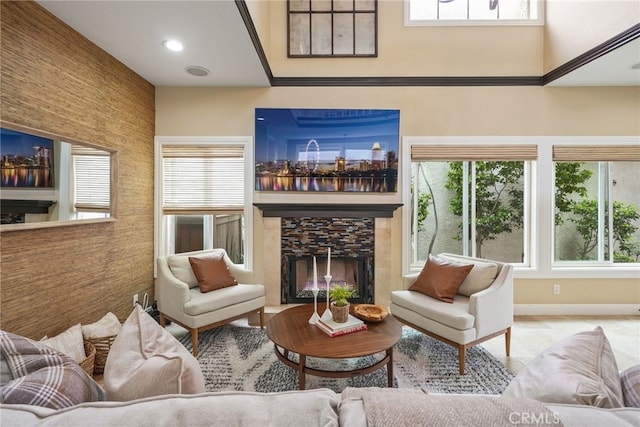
358 236
352 256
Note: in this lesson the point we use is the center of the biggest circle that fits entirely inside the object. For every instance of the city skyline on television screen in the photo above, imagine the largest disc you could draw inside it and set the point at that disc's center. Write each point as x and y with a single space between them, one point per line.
351 150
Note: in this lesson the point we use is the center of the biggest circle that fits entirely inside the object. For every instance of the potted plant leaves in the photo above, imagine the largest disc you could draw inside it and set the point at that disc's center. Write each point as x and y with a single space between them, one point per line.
339 306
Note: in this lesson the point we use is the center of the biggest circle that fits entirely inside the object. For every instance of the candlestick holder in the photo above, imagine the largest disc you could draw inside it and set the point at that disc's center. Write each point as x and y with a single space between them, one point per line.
327 312
314 317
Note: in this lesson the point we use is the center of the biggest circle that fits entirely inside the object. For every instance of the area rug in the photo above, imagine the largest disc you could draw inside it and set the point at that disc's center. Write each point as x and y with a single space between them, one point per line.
235 358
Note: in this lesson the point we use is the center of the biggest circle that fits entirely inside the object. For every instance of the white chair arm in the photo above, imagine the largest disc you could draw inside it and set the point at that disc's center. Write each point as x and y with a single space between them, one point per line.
493 307
171 293
241 274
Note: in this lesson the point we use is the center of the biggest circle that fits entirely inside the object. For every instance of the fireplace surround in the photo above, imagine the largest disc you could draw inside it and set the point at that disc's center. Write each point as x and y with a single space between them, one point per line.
352 256
277 218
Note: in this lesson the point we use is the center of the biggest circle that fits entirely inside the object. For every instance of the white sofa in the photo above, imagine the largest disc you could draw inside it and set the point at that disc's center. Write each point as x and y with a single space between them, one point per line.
576 377
482 309
321 407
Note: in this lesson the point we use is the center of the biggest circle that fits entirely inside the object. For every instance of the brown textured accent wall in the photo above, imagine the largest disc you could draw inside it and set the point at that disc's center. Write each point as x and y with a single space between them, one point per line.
55 80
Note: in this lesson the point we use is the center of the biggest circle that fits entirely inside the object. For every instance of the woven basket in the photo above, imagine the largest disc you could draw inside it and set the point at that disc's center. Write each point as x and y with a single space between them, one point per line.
89 363
102 345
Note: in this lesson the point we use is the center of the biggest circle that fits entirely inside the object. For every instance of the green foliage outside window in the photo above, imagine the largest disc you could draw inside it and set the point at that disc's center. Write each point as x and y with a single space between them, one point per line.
499 204
570 179
423 209
586 222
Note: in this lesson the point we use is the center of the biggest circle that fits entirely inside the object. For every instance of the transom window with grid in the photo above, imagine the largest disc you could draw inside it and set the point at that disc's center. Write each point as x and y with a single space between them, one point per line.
332 28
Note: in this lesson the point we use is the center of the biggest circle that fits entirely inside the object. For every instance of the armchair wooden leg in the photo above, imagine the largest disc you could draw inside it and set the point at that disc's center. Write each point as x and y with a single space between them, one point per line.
507 337
162 320
262 318
194 341
462 352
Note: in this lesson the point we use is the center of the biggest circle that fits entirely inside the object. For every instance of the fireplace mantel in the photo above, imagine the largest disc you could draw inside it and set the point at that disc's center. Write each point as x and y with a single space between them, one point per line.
319 210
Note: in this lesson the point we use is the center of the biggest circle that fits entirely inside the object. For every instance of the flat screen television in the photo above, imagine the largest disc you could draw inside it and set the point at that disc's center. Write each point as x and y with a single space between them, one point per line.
326 150
25 160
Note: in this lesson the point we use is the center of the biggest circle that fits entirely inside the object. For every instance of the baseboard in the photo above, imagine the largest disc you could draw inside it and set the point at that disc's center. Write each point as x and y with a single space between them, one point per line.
576 309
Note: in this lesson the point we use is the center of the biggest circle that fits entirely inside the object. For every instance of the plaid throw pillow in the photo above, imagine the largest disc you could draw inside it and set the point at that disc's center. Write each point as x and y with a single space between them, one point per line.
630 380
44 377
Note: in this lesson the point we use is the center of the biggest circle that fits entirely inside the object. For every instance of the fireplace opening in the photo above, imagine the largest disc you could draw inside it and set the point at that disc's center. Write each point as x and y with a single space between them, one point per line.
354 272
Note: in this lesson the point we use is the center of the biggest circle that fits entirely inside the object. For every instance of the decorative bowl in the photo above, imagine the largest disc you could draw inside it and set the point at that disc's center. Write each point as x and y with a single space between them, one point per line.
370 312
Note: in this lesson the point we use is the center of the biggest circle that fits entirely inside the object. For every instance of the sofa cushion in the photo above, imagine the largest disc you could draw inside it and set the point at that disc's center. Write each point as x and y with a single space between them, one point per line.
455 315
43 377
591 416
69 342
309 408
146 360
580 369
479 278
200 303
630 382
441 278
212 272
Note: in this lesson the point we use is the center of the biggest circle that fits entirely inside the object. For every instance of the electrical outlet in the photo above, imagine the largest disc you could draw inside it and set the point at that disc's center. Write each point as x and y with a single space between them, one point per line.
556 289
135 299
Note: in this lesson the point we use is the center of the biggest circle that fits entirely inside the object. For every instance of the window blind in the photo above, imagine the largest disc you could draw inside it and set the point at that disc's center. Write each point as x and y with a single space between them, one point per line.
600 153
474 152
202 179
92 179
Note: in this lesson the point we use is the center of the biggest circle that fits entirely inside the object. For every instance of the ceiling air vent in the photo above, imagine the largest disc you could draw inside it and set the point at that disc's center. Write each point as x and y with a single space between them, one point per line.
194 70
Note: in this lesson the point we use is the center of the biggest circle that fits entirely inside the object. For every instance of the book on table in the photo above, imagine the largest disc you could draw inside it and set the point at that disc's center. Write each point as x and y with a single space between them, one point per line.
333 329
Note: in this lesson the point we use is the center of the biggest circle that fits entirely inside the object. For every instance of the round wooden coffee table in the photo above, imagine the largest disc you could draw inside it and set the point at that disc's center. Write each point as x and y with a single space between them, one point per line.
290 330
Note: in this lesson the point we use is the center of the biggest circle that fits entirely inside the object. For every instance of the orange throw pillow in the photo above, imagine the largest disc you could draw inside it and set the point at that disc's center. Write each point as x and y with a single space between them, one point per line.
212 272
441 278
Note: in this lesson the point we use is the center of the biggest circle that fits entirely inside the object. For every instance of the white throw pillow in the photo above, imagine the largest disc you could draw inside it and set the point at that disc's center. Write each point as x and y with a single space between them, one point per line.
479 278
69 342
145 360
580 369
107 326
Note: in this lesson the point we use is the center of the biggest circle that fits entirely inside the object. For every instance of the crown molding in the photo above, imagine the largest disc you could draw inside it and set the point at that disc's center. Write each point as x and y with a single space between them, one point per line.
408 81
253 35
592 54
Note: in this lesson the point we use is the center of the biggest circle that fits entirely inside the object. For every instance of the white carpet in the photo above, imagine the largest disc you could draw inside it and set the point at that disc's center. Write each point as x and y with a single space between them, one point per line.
243 358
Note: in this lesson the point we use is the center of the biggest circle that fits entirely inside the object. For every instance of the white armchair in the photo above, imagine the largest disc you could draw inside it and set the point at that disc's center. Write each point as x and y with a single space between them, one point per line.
482 309
180 300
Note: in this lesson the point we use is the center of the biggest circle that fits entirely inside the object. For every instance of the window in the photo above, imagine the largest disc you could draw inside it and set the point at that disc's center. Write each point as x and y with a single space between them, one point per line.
553 206
332 28
91 182
597 199
471 200
201 196
474 12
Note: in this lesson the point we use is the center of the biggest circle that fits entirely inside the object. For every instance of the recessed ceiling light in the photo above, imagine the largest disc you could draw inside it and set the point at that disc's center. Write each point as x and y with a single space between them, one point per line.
173 45
197 71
